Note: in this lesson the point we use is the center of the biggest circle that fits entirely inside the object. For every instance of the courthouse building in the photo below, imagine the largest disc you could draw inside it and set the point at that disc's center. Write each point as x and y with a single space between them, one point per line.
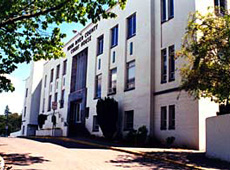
131 59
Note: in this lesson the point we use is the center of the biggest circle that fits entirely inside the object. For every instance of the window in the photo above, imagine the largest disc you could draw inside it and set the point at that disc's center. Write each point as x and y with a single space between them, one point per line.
51 75
43 105
23 130
163 10
132 26
26 92
163 118
163 66
220 6
128 124
114 40
24 111
45 81
114 57
130 84
57 71
100 45
55 97
131 48
95 124
167 5
49 103
99 64
170 9
64 67
171 63
87 112
62 98
113 81
98 86
171 117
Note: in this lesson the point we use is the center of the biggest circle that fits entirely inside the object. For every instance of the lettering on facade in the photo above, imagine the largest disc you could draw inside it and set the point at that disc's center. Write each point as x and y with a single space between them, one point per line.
82 40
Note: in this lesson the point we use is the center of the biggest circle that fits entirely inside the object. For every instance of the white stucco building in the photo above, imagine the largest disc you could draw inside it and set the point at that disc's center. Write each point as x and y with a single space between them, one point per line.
129 58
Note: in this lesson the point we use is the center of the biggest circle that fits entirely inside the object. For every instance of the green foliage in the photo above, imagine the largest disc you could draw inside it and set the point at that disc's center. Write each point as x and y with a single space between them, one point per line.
29 29
170 141
14 123
41 120
206 51
107 116
137 137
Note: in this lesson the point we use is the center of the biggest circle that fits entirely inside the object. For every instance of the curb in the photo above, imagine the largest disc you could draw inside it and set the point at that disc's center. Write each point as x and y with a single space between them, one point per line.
191 166
2 163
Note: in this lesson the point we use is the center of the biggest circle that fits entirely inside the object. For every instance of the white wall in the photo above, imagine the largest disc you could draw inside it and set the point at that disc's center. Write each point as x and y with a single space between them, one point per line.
218 138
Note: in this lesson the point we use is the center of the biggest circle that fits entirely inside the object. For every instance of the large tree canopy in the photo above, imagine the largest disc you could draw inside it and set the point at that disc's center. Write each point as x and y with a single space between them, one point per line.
206 47
25 32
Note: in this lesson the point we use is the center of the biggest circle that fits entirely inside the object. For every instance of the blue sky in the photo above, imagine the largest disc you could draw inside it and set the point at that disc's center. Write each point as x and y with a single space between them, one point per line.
15 100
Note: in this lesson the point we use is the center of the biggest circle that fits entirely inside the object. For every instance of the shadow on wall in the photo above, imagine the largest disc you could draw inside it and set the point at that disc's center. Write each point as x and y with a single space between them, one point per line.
21 159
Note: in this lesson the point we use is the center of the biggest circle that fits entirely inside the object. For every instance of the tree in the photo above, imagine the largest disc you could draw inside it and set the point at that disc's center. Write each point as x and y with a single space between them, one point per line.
107 116
27 29
206 49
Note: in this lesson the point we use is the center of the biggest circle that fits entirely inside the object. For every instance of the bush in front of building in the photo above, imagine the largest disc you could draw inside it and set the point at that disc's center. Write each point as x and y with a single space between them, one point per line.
107 116
41 120
137 137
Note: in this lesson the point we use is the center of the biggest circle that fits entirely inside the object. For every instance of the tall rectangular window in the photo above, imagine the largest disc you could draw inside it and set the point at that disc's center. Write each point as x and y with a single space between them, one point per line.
171 63
131 26
130 83
163 10
43 105
45 81
171 117
62 98
163 118
64 67
163 66
114 38
220 6
26 92
49 103
170 9
57 71
113 81
51 75
128 120
55 97
24 111
95 124
98 63
98 86
131 48
100 42
114 57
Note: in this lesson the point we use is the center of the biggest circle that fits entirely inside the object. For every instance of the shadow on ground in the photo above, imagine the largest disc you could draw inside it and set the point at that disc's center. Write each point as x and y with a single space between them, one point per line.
21 159
139 162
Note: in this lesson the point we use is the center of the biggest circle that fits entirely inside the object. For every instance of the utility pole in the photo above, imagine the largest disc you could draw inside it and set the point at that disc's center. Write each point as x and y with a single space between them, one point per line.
6 114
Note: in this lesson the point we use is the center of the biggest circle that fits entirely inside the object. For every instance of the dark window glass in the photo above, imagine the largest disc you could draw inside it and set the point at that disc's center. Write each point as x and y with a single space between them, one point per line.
55 97
220 6
100 45
62 98
26 92
49 103
163 118
99 64
114 39
163 66
131 48
98 86
57 71
113 81
43 105
163 10
95 124
64 67
171 117
171 63
87 112
130 83
45 80
171 8
128 124
131 25
24 111
114 57
52 75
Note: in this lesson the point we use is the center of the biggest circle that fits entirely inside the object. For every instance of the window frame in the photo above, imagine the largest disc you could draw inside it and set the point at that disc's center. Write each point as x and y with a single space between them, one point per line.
98 93
111 89
51 75
130 83
131 26
163 115
95 124
171 63
172 118
164 66
129 125
64 67
100 45
114 36
170 9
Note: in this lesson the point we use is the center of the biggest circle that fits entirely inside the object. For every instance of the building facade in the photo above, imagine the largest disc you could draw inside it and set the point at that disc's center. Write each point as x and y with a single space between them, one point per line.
129 58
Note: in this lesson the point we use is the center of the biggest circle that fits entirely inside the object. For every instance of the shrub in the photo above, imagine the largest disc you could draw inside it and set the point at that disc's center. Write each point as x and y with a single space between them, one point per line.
41 120
170 141
107 116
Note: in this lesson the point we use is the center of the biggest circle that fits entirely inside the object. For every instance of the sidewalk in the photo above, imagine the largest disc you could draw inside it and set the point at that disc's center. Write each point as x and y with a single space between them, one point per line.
191 159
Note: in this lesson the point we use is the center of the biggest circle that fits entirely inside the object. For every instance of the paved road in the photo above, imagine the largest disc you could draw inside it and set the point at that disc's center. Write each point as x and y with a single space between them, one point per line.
24 154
